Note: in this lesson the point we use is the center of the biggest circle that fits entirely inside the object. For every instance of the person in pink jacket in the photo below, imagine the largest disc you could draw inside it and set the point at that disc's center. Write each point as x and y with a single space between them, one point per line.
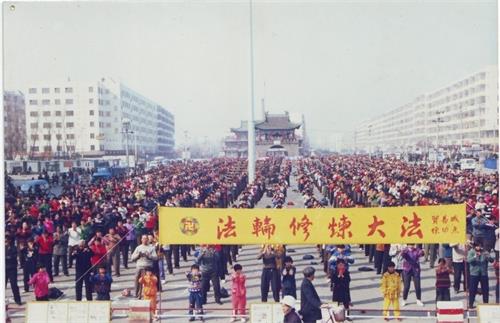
238 292
41 281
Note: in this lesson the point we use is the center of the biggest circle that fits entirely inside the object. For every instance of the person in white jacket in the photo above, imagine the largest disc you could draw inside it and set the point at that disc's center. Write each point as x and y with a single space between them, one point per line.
395 253
143 255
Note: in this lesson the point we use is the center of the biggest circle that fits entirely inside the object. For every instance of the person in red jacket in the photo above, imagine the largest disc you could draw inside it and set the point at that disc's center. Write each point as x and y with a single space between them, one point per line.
99 257
45 244
238 292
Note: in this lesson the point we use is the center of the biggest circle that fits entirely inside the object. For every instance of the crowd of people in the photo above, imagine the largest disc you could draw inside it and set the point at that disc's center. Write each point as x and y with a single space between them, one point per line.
99 228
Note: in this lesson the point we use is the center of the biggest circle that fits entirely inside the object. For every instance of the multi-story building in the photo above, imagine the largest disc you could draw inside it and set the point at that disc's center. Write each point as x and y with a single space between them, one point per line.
463 113
86 118
14 124
276 135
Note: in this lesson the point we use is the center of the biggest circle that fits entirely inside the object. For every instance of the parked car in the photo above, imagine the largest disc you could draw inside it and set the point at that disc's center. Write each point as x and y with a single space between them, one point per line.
468 164
35 185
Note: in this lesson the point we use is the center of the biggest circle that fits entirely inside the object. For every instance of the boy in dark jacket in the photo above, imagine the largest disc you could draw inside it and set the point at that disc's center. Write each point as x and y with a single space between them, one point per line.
102 284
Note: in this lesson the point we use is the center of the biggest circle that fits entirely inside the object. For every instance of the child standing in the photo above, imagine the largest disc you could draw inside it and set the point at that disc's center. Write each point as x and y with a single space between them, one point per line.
149 284
41 281
102 284
238 292
288 280
391 289
195 295
443 281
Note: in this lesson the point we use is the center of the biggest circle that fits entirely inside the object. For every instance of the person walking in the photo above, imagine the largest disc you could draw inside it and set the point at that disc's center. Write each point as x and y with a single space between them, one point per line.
310 304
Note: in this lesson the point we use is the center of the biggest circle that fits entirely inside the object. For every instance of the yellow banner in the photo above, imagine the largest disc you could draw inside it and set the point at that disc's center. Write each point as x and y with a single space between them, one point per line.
420 224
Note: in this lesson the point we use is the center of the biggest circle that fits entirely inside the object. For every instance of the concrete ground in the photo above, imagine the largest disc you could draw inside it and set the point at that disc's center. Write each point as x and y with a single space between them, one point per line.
364 286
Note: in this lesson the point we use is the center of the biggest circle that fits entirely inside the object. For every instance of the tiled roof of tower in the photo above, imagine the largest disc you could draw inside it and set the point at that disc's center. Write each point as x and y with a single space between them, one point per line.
272 122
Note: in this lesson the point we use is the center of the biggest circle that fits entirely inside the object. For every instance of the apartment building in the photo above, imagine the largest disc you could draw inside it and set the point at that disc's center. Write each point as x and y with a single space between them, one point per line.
462 113
86 118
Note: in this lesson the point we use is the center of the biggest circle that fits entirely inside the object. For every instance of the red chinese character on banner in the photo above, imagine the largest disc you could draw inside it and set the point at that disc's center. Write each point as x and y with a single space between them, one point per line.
341 228
263 227
411 227
374 227
303 224
228 228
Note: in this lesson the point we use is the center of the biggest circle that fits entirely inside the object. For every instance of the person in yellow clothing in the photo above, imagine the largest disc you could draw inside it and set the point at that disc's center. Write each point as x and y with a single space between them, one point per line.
149 289
391 289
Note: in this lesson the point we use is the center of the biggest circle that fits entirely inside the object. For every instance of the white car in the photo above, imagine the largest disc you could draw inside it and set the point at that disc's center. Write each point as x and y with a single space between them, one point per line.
468 164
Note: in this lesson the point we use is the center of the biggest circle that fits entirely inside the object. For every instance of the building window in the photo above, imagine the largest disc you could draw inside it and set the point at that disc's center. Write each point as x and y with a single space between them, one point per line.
91 89
108 125
70 113
57 90
58 136
47 125
59 148
34 137
68 90
70 136
47 148
46 137
58 124
108 114
101 113
46 113
45 90
91 112
34 125
33 114
32 90
101 147
34 148
57 102
92 136
92 123
45 102
33 102
101 124
70 124
92 147
68 101
58 113
91 101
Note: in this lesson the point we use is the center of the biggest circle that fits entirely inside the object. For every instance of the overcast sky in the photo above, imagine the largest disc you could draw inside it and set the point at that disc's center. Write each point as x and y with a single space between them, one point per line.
337 62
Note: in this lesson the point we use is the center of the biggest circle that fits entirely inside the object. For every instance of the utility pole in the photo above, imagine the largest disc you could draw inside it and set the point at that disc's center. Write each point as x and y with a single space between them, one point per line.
251 122
126 125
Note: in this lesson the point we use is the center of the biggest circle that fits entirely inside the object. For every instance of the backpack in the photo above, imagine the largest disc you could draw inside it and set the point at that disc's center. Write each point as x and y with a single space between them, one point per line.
55 293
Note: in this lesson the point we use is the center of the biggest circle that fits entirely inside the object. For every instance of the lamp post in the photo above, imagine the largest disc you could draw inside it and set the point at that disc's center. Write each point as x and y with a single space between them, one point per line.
251 122
126 131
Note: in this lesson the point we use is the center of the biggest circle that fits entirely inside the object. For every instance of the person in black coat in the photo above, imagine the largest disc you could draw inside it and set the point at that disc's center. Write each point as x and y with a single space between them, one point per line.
83 265
29 256
11 268
310 304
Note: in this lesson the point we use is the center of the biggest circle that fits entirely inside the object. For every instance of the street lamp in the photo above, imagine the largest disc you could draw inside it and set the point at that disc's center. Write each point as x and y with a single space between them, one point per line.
126 131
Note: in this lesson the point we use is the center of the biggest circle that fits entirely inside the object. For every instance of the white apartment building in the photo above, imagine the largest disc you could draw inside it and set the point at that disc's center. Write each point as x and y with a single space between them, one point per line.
86 118
463 113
